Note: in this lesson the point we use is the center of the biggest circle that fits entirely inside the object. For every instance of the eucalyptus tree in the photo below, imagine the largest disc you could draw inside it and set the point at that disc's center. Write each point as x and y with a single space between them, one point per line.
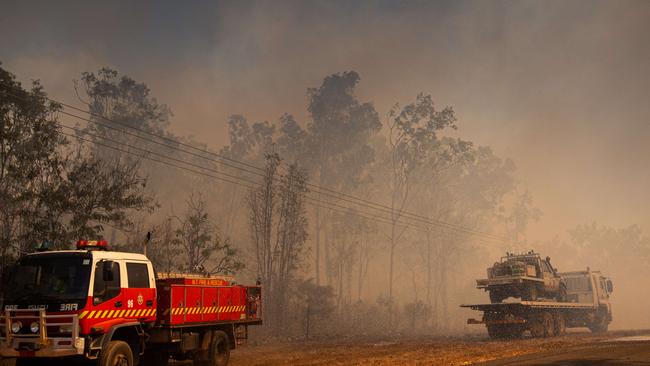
517 219
338 149
49 190
413 140
278 228
29 153
467 195
121 99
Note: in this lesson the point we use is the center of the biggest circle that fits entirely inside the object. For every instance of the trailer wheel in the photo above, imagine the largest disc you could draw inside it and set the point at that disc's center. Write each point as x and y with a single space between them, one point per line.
599 326
504 331
495 331
536 326
516 331
118 353
549 326
560 324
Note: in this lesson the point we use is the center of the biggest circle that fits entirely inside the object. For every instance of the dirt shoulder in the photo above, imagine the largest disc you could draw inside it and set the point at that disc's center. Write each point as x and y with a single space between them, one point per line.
422 351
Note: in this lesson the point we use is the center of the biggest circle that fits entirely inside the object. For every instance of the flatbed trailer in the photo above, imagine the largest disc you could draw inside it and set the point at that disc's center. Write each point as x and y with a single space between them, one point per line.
588 306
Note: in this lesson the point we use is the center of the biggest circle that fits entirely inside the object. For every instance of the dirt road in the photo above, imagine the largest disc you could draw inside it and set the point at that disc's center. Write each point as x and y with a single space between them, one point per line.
580 349
623 351
433 351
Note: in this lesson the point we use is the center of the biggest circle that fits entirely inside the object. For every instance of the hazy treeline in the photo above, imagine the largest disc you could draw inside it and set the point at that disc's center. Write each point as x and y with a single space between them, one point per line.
356 221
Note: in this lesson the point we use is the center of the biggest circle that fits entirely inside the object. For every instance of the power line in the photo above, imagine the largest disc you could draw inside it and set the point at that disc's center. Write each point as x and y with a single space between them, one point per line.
157 142
330 192
360 213
322 190
320 203
252 183
152 159
323 204
164 138
153 153
363 203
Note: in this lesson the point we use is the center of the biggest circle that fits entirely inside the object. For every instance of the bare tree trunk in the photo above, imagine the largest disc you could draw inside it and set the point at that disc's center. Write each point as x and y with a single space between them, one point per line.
349 267
429 274
445 300
339 300
360 277
233 209
317 249
390 276
364 263
328 259
437 285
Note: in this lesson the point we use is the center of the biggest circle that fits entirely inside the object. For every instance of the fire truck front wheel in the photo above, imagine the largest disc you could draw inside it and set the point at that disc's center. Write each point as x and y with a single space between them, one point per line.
118 353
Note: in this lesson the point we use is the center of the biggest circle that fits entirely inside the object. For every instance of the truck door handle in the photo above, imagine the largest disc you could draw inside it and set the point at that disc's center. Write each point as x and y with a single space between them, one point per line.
149 303
118 304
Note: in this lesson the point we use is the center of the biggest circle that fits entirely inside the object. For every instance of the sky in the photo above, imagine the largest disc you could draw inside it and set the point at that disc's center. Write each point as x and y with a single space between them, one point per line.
560 87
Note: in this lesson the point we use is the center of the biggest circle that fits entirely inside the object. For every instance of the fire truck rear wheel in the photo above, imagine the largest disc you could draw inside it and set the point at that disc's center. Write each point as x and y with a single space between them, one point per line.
118 353
220 350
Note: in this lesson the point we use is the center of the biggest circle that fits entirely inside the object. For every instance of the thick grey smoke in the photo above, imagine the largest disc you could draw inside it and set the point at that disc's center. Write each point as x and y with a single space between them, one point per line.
560 87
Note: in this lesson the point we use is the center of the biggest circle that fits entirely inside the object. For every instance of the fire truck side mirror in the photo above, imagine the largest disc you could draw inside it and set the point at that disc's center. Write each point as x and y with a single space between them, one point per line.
108 271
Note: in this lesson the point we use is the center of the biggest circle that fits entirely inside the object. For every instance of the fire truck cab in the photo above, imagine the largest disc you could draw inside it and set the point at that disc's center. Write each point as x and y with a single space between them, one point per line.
109 307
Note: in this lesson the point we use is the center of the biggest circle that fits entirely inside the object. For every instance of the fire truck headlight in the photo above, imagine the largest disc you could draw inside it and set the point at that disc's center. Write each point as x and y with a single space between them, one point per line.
16 326
35 327
65 329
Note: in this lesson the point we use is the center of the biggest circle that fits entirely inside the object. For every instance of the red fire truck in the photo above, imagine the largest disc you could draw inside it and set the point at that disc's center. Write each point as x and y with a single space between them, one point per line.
112 309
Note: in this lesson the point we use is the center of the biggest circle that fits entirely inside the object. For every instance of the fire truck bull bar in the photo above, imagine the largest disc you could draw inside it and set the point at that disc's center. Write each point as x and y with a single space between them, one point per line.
39 344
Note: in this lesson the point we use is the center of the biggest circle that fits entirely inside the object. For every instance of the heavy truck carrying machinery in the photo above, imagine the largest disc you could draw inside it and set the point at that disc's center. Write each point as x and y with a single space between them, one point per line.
527 276
110 308
586 305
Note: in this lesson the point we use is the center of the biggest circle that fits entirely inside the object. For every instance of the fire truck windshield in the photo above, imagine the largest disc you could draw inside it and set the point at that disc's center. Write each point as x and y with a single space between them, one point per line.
49 278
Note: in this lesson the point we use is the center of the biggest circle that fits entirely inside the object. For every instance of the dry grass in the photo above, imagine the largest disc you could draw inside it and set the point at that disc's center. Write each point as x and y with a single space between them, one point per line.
440 351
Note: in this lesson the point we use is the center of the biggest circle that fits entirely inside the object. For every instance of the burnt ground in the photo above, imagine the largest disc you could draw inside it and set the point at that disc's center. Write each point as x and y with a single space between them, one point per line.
466 350
577 348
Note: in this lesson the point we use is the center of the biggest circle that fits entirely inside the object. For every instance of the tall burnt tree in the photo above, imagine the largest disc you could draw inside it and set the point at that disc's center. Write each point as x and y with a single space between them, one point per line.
339 150
413 138
465 191
278 226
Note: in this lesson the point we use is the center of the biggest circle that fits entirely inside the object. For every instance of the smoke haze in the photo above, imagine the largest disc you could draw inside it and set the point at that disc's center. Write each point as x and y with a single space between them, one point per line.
559 87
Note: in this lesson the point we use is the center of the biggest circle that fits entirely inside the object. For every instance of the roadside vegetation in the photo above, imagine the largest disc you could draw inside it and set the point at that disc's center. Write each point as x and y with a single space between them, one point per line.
356 221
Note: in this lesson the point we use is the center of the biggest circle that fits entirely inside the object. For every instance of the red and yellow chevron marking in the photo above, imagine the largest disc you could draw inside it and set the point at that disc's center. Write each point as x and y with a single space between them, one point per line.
112 314
208 310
